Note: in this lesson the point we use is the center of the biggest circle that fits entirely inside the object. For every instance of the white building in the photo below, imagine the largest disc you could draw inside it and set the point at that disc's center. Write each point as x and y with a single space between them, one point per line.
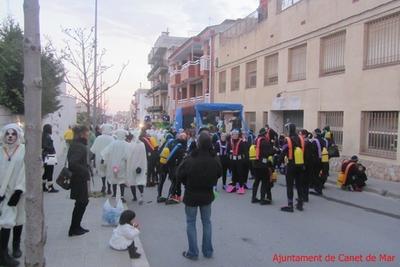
140 103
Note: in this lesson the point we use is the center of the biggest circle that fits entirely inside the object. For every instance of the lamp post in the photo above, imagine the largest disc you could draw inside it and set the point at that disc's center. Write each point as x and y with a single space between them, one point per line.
95 67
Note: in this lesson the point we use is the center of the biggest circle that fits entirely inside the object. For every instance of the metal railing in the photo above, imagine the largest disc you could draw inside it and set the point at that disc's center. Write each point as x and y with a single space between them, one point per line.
380 133
245 25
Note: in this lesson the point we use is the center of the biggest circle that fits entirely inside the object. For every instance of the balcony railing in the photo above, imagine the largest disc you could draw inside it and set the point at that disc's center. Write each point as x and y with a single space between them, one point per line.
158 67
205 63
190 70
160 86
153 109
244 25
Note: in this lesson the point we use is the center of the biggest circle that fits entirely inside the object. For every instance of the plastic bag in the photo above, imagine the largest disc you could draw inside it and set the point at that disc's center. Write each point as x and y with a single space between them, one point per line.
8 216
111 214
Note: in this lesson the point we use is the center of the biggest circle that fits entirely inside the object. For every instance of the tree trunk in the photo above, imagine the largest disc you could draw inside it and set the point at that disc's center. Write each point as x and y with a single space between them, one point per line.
35 233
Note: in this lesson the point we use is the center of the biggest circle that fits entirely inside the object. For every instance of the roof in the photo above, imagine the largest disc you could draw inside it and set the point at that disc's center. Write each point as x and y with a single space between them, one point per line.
164 40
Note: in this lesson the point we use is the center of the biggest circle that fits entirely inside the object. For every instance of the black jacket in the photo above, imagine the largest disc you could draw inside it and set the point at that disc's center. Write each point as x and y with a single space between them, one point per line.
47 145
266 150
78 165
199 173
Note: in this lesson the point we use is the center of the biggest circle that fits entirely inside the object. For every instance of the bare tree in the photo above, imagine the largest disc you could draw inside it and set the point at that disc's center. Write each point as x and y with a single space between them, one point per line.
35 233
78 55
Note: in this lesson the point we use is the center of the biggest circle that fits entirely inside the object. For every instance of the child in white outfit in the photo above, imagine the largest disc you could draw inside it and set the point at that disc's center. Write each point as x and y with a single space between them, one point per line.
123 236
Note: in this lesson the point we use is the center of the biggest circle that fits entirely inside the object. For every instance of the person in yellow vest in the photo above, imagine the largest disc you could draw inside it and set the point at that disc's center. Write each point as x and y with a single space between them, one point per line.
294 168
355 176
323 173
69 136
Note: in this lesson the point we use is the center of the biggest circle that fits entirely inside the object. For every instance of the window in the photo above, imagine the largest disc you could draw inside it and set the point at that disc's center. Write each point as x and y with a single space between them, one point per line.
332 53
235 78
379 133
265 118
222 82
271 70
297 63
383 41
284 4
251 74
333 119
250 118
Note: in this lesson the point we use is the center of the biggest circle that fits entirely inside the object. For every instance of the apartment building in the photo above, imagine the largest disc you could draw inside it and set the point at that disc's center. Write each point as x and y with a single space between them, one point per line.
158 75
140 103
317 63
191 68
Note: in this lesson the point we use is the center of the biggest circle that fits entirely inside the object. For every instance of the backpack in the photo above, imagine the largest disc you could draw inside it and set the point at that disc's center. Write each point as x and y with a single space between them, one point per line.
173 151
295 154
324 155
342 176
252 152
164 155
153 142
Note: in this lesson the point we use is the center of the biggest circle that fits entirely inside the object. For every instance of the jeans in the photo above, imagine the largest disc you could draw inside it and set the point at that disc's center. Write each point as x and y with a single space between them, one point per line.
205 213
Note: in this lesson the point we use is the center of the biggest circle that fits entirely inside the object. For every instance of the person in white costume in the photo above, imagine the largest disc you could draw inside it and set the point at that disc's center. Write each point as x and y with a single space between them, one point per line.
115 157
137 166
12 188
100 143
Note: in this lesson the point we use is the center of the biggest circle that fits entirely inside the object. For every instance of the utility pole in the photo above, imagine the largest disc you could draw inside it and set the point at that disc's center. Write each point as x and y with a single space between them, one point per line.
95 67
35 232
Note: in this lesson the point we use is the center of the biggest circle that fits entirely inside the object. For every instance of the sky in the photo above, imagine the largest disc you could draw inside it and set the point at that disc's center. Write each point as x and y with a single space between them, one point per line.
127 30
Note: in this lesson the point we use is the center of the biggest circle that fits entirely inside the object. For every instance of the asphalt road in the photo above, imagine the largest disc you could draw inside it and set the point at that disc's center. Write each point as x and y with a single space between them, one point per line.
250 235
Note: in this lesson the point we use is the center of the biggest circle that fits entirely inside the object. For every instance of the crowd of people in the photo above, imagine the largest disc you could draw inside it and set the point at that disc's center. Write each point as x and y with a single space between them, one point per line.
147 157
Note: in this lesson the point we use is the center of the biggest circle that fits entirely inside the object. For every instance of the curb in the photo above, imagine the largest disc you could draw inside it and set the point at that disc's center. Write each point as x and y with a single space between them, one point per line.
381 192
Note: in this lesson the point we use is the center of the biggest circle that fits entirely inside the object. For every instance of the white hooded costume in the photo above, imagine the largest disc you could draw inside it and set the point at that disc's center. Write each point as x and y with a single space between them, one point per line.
136 159
12 177
115 157
100 143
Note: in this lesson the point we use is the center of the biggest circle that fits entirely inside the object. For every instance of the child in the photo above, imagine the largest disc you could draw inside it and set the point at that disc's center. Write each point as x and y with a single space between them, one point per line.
123 236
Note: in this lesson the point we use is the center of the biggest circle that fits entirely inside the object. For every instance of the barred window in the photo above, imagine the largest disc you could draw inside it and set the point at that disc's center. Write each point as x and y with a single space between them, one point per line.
235 78
250 118
297 63
332 53
333 119
251 74
284 4
380 133
383 41
271 69
222 81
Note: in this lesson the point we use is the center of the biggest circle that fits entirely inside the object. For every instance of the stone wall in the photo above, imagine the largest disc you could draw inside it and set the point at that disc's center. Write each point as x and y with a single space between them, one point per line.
375 169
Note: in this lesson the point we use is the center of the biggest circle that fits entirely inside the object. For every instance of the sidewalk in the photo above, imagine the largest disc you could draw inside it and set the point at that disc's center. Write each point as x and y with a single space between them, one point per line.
89 250
380 187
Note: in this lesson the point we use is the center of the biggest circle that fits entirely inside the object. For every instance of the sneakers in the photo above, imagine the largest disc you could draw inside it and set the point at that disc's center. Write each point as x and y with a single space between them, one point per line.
287 209
241 191
299 206
173 200
231 189
52 189
190 257
76 232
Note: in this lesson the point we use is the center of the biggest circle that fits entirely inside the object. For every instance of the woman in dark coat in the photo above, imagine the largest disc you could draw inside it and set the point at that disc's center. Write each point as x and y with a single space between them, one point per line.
199 173
78 165
48 149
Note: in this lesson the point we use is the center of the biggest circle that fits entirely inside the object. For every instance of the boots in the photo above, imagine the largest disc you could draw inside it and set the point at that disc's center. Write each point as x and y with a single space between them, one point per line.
299 205
17 253
44 187
6 260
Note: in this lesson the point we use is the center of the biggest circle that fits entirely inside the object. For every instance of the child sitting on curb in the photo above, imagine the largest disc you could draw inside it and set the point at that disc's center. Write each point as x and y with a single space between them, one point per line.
123 236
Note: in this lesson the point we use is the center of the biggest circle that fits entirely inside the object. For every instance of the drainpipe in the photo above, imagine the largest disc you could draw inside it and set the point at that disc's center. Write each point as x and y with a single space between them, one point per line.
210 71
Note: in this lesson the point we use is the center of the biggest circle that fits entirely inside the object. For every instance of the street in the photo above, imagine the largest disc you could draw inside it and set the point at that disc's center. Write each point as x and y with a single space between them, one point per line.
251 235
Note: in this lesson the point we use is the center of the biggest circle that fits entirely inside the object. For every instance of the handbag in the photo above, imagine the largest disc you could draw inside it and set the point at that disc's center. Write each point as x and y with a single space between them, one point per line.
8 215
333 151
50 159
64 178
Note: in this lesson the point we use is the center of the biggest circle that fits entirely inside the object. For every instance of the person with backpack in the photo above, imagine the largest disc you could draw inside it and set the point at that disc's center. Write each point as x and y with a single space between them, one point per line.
262 166
222 149
151 154
294 168
238 153
177 154
321 177
164 152
354 175
311 162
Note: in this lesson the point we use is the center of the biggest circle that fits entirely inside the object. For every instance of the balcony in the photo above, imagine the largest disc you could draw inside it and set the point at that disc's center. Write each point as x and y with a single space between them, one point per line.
159 67
175 77
191 70
158 87
154 109
205 65
156 54
193 100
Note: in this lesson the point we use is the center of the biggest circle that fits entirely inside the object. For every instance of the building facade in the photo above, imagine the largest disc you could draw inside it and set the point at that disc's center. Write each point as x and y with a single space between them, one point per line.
191 68
140 103
318 63
158 75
